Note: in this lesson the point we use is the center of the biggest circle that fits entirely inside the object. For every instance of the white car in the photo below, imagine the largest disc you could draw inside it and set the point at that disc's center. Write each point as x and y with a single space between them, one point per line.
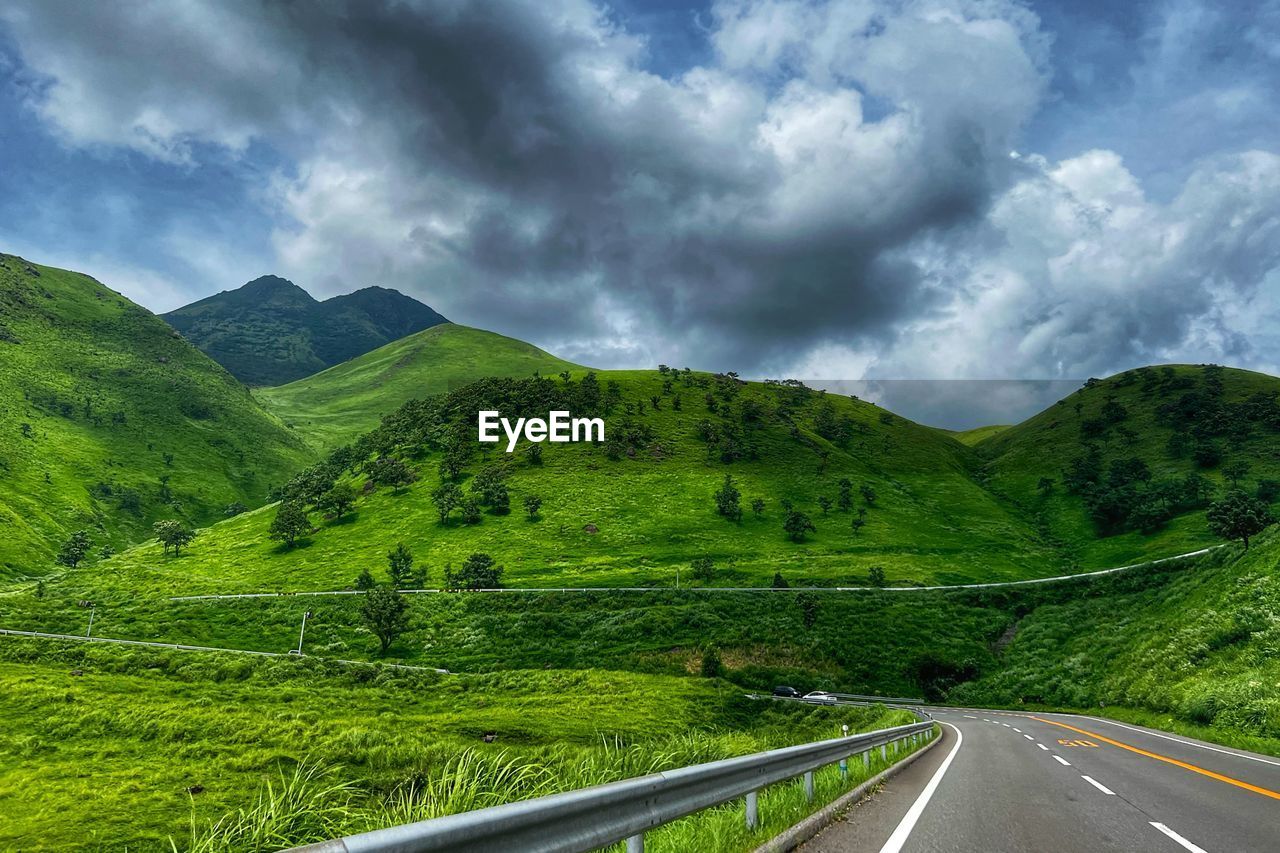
820 696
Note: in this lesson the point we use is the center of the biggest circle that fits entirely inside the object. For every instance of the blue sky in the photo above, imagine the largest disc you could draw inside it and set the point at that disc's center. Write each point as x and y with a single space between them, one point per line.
942 189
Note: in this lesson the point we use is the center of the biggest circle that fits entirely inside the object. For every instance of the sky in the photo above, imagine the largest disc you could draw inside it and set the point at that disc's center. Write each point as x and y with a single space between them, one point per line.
849 190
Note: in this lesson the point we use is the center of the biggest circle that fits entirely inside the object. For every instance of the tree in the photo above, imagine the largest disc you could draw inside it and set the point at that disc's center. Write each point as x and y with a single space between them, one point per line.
364 580
779 582
1268 490
532 503
808 605
233 509
711 666
446 497
384 611
857 523
1235 472
868 493
400 565
479 571
389 471
1045 485
704 569
1238 516
727 500
534 454
471 511
338 501
757 507
290 524
172 535
845 500
797 524
875 576
825 503
75 549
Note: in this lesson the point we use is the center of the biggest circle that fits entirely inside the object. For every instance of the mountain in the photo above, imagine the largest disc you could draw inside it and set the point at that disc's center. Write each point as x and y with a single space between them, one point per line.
270 331
336 405
1122 470
109 420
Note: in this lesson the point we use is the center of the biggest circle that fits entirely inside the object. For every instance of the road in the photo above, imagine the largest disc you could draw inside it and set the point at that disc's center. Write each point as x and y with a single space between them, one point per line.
1000 782
715 589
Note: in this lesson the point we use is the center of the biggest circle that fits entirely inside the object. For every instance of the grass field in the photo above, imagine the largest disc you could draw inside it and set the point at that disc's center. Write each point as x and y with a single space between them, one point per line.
334 406
109 421
116 749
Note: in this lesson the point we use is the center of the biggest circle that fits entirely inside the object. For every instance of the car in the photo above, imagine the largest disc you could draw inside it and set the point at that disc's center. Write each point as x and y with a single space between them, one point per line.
820 696
786 692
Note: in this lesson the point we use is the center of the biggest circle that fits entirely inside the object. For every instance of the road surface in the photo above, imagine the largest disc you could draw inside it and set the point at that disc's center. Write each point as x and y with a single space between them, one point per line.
714 589
1000 782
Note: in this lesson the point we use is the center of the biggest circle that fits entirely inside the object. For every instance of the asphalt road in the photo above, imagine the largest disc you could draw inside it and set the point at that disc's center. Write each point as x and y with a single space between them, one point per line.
1000 782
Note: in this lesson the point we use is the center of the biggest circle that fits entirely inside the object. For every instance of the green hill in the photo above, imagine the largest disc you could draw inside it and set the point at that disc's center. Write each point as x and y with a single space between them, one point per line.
336 405
977 435
271 331
109 421
1133 459
640 507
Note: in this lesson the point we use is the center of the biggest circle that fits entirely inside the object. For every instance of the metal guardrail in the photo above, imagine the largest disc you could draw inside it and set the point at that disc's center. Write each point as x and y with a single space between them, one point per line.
592 818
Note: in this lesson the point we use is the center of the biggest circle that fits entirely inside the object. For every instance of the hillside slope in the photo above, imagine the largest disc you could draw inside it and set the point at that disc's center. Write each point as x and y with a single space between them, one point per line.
1132 460
271 331
640 507
336 405
109 420
1198 644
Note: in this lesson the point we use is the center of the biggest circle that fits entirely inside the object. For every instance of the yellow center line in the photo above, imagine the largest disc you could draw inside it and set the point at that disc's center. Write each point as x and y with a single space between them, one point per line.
1266 792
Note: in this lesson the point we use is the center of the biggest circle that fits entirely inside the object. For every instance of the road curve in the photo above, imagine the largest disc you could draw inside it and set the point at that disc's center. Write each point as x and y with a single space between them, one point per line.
1003 782
714 589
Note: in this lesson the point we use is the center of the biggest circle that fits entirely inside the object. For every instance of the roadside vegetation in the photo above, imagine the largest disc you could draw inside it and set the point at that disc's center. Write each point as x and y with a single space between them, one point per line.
130 748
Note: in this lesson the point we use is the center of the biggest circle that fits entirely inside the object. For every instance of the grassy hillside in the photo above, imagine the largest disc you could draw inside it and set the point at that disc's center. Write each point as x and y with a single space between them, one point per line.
109 421
1196 647
977 435
1134 459
336 405
179 744
640 507
271 331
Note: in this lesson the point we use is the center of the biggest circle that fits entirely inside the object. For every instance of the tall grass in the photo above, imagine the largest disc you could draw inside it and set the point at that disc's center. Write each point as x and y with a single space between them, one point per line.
314 803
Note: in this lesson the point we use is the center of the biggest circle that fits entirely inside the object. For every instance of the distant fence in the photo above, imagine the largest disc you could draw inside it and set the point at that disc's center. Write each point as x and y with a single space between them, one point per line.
592 818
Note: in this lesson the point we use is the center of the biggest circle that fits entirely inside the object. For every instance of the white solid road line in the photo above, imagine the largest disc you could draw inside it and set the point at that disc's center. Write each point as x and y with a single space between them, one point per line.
1178 838
1182 741
1062 761
900 835
1101 787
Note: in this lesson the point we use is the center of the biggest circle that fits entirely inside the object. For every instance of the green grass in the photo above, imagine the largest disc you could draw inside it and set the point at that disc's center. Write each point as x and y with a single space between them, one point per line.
636 521
977 435
105 390
1044 446
104 759
1197 647
336 405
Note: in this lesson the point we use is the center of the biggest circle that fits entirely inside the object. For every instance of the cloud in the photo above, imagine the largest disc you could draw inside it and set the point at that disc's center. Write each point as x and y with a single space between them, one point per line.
829 189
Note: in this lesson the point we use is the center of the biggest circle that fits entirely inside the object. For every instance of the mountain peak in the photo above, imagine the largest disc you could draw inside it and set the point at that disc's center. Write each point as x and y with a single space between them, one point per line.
270 331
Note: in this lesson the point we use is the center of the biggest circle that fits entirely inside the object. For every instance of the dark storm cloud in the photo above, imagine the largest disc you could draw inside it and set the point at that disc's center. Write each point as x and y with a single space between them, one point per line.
559 181
823 188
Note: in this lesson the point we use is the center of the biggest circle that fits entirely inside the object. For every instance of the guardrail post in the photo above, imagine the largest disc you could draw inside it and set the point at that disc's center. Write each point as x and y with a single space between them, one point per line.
635 844
866 759
884 752
753 809
808 785
844 767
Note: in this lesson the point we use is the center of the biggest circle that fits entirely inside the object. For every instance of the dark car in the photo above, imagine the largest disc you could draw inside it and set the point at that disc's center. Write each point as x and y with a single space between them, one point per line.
787 692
